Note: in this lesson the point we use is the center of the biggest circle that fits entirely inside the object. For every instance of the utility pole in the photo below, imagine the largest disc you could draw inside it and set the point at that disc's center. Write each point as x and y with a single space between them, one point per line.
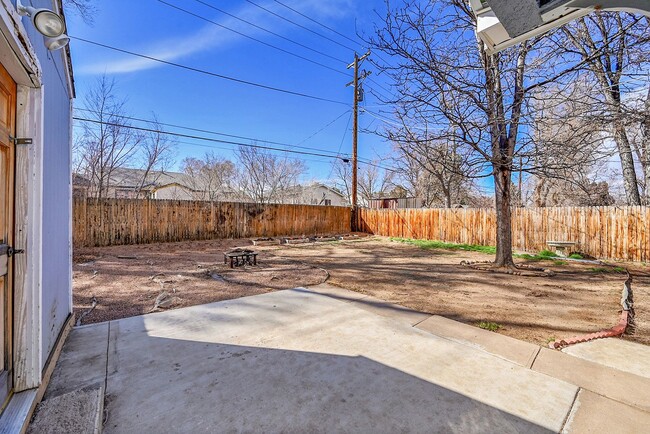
355 120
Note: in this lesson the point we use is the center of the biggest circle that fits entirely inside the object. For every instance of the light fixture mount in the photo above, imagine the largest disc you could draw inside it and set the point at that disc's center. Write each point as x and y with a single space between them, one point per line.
57 43
48 23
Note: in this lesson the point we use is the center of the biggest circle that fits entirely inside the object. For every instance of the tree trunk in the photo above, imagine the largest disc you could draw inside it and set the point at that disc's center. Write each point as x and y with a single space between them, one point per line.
447 193
646 148
627 163
502 183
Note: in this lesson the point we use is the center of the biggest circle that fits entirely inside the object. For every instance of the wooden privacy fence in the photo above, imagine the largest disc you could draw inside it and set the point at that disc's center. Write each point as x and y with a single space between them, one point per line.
601 232
132 221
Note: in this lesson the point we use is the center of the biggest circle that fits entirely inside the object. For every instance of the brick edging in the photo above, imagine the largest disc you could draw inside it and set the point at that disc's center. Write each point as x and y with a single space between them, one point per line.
625 320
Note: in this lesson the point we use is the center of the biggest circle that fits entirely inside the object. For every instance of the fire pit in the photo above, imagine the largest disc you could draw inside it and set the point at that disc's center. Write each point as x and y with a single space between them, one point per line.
240 257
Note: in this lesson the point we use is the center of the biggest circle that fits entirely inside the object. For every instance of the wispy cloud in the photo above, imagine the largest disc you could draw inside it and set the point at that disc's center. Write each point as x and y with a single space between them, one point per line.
211 37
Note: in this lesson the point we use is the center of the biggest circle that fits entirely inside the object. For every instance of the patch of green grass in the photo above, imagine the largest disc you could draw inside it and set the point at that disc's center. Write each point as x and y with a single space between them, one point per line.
427 244
551 339
487 325
524 256
560 262
576 256
607 270
541 256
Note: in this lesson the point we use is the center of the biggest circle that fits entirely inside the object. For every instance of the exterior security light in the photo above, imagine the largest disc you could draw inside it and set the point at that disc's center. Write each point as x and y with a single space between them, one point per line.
503 23
57 43
48 23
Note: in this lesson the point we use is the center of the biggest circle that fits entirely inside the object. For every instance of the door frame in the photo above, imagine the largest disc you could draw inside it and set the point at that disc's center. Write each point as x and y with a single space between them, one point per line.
6 292
20 59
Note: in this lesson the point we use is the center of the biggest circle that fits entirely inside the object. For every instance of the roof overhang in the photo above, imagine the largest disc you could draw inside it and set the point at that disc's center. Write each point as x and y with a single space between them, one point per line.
503 23
16 51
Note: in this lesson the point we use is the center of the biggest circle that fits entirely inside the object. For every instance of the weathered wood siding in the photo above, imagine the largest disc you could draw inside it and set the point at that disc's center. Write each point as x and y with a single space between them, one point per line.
132 221
601 232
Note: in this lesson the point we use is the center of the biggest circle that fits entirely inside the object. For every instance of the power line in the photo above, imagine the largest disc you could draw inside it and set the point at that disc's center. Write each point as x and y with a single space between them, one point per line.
232 150
253 38
389 169
317 22
212 74
208 139
151 121
200 145
395 123
253 139
271 32
345 133
338 155
338 33
249 145
300 25
390 92
320 130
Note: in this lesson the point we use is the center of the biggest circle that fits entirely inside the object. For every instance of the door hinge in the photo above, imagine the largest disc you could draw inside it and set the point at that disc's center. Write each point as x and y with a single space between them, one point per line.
6 252
22 140
10 251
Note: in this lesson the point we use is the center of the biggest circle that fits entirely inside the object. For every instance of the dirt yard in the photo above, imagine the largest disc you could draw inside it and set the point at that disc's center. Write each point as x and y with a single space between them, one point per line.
127 280
579 298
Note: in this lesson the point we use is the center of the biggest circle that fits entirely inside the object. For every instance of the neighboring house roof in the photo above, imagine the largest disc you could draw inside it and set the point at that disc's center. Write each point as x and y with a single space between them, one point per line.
132 178
127 178
171 184
331 189
301 188
80 180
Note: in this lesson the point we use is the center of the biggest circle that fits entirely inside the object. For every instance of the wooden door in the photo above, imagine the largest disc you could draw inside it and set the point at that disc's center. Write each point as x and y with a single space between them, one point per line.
7 165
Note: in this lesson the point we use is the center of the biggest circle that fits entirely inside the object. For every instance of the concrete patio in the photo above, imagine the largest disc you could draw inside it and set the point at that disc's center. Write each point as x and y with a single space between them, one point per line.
325 359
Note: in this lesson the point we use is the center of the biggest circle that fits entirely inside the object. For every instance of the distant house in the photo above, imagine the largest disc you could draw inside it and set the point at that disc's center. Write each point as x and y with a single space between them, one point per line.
315 194
80 186
126 183
395 203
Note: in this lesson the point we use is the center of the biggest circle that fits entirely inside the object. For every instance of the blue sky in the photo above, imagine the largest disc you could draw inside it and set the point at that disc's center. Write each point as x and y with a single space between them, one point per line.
196 100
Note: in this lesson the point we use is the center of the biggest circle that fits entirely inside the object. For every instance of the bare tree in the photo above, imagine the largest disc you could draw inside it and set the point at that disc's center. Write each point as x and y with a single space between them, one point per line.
156 154
264 177
613 47
83 8
569 157
638 117
342 177
444 77
416 181
439 171
373 182
211 178
107 143
644 156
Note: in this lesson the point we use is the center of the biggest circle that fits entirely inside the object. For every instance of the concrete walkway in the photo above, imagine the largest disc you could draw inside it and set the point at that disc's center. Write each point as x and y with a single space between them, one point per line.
330 360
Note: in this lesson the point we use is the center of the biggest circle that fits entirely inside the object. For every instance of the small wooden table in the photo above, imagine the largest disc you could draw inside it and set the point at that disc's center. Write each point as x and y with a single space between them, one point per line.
240 257
561 246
